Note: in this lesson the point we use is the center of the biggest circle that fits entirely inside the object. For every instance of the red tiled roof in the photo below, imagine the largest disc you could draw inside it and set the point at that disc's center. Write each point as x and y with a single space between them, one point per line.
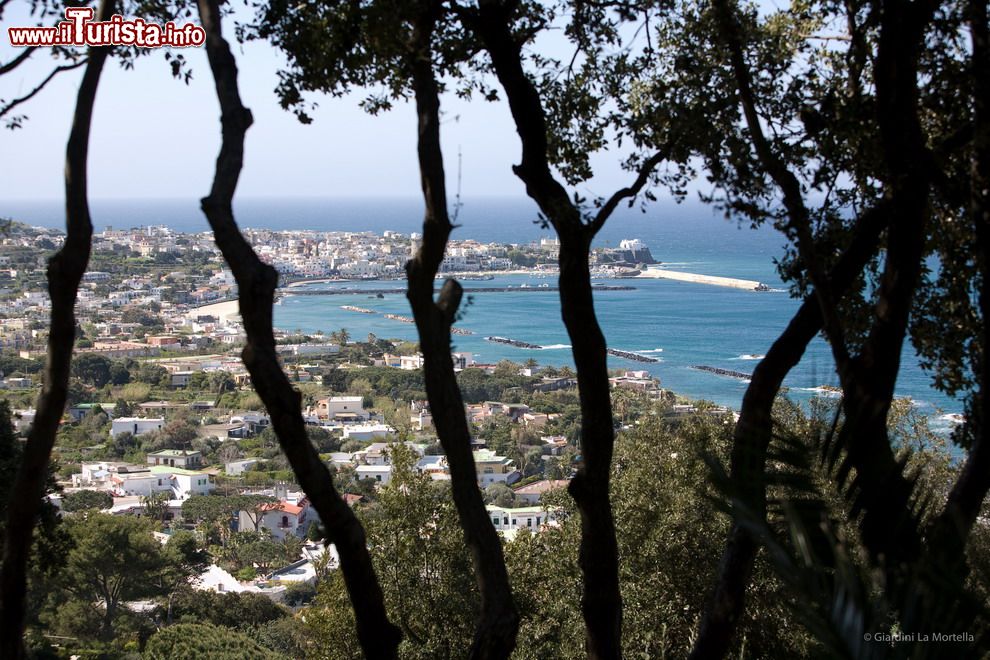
539 487
285 507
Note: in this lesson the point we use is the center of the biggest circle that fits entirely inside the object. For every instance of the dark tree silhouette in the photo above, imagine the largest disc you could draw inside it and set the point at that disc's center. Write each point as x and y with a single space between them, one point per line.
906 162
256 283
65 271
601 601
495 636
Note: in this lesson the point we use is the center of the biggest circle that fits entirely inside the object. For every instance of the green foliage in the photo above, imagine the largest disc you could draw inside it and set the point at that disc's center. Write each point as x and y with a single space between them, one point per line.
286 636
51 541
246 574
501 495
264 553
92 369
299 593
140 315
150 373
156 506
87 499
114 559
231 610
478 386
119 375
10 364
196 640
418 549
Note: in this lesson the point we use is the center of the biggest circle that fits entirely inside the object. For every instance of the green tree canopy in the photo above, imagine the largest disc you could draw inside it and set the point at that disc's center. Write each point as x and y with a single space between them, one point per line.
92 369
81 500
197 640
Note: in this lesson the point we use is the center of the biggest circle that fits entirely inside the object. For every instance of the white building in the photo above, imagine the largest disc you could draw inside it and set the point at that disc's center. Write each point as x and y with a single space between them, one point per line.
184 483
180 484
527 517
380 473
135 425
411 362
236 468
493 469
176 458
364 432
344 408
282 519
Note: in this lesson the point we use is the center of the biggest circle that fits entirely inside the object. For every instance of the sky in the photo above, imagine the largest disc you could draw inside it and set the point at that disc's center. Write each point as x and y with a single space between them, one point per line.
155 137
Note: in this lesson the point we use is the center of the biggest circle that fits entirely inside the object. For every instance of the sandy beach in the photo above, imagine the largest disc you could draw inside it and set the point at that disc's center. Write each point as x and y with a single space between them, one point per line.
223 310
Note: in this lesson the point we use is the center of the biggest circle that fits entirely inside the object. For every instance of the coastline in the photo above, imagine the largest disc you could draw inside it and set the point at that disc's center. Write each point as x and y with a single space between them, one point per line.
470 273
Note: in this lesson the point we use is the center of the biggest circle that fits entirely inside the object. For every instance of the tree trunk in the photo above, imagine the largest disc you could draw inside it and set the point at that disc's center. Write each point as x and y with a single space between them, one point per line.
256 283
954 524
65 271
752 436
601 602
495 634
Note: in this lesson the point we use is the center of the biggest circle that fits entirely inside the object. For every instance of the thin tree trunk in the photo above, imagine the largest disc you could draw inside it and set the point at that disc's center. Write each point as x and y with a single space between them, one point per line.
888 525
752 436
601 602
256 283
65 271
882 492
495 634
951 529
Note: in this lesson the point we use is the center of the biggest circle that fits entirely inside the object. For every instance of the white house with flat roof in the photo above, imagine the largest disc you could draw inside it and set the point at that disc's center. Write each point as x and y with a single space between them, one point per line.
382 474
183 483
507 519
176 458
343 408
135 425
368 432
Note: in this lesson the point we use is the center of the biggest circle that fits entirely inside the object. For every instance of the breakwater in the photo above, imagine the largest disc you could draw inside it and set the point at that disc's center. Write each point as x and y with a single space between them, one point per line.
718 371
626 355
513 342
715 280
406 319
360 310
489 289
636 357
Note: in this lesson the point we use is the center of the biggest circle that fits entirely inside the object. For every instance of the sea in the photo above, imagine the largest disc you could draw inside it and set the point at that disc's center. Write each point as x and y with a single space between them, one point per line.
681 325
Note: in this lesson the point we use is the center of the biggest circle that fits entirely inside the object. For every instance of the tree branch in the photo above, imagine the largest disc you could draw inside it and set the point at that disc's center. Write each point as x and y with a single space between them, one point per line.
605 212
256 283
495 633
799 218
753 433
17 61
7 108
65 271
601 602
955 522
880 490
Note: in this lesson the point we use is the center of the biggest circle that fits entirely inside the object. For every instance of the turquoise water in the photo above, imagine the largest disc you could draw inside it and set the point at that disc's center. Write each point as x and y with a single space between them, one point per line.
692 323
681 324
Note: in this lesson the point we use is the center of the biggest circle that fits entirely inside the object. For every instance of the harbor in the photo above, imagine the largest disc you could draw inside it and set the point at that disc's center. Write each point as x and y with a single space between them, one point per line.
524 288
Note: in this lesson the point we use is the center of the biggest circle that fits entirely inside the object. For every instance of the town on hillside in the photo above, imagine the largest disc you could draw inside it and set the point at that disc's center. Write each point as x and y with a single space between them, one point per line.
163 427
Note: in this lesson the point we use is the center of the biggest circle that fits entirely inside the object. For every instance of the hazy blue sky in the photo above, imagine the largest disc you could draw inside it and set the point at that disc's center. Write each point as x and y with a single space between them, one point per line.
153 136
